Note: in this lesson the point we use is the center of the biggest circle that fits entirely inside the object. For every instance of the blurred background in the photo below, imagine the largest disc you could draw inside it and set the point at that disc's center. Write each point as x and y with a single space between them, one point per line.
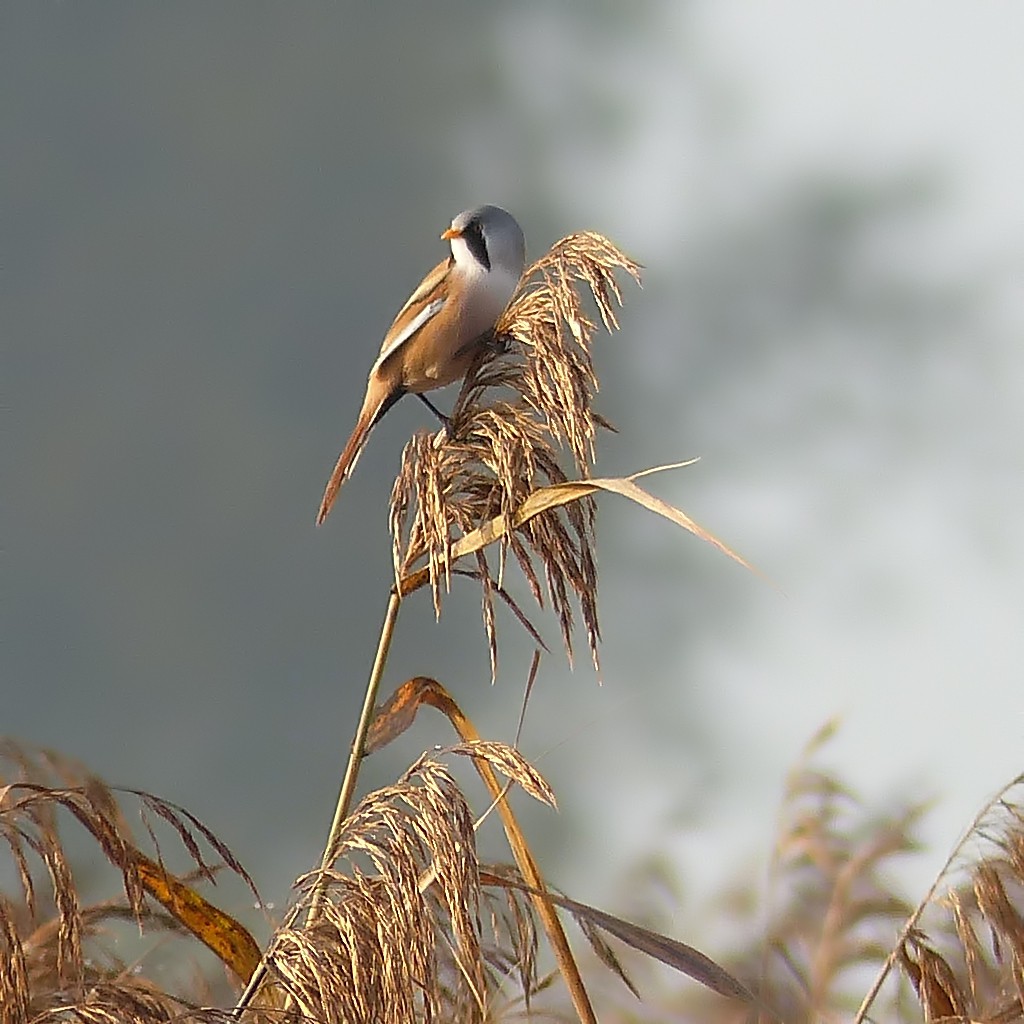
212 214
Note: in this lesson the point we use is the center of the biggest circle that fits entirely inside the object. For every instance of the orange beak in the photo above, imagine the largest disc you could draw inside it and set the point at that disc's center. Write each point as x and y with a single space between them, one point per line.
451 233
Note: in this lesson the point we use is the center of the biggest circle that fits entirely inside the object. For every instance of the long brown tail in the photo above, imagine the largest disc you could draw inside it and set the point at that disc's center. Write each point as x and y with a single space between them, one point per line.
369 415
346 460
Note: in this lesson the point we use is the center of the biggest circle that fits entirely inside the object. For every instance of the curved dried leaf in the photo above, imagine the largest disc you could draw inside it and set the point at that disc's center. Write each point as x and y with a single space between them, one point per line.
671 952
554 496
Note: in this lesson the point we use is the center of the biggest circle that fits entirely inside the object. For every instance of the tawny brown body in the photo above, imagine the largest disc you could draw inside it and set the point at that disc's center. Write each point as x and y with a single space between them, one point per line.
436 333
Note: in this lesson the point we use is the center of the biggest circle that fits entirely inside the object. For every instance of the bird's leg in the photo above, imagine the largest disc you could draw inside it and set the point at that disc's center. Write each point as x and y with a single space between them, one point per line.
445 420
489 341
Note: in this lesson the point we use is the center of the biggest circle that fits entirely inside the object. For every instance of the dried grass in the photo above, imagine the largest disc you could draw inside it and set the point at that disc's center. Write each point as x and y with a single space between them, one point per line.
832 918
806 943
525 409
58 957
833 909
963 947
412 928
415 928
401 931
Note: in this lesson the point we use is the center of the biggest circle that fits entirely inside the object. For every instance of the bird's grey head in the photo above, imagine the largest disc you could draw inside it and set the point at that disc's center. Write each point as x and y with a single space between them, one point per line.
493 237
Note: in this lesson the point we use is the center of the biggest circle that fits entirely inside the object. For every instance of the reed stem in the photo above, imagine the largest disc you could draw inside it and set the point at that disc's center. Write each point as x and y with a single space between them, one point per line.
355 756
348 786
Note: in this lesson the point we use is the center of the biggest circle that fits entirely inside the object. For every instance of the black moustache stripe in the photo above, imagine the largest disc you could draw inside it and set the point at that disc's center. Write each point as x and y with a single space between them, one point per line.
473 236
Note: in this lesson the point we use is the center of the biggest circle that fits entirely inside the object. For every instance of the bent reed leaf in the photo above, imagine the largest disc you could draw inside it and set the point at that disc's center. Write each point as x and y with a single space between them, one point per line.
553 496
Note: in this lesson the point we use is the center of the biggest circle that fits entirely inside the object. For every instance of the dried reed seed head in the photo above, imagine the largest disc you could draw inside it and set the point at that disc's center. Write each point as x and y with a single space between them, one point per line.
526 401
57 960
512 924
967 965
400 936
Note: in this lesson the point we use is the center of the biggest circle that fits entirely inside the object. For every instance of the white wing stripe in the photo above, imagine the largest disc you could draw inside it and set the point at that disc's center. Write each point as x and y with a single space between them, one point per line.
428 311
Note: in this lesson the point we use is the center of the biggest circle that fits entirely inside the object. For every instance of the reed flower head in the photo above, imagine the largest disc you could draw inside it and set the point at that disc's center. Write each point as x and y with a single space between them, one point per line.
525 418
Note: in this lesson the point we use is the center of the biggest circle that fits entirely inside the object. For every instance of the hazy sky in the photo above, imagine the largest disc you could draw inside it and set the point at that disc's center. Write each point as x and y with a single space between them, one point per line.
877 83
928 677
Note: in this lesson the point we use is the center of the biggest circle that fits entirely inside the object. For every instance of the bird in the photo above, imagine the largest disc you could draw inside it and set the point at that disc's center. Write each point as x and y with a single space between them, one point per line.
439 330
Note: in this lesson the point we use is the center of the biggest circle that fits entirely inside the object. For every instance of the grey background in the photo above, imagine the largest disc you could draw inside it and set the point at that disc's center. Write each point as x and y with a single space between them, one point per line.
212 212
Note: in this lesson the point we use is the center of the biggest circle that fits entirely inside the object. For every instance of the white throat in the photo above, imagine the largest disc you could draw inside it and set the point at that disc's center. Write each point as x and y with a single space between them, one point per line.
468 264
490 290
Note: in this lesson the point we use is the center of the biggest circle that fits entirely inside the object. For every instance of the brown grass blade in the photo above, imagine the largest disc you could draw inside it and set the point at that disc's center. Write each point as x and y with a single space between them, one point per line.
681 957
220 932
553 496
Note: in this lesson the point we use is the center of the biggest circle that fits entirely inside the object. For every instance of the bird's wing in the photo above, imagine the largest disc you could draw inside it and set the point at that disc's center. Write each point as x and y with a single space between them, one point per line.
423 305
